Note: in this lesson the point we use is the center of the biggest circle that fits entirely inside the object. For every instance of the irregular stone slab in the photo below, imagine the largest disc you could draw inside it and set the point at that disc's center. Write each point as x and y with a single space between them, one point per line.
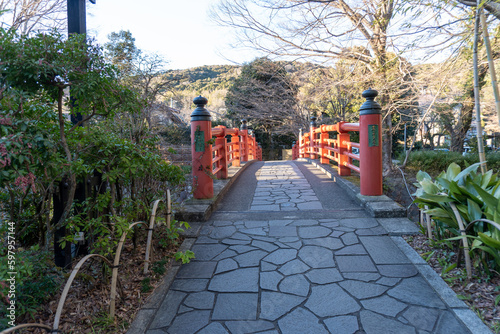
282 231
317 257
296 244
168 309
250 259
226 265
254 231
422 317
255 223
266 266
358 263
203 300
184 309
240 249
269 280
239 280
280 222
416 291
384 305
375 323
389 281
241 236
365 277
383 250
237 327
236 306
310 232
225 254
235 242
294 267
295 285
269 247
301 321
398 270
288 239
207 252
206 229
213 328
330 300
324 276
305 222
347 324
349 238
189 284
359 223
222 232
203 239
327 242
275 304
197 270
189 322
363 290
281 256
352 250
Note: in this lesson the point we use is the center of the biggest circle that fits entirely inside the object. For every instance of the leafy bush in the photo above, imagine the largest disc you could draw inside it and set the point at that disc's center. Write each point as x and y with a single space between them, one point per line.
37 281
433 162
475 197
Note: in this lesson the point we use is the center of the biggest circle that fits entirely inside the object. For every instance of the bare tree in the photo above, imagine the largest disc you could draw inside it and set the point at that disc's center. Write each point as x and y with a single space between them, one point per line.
492 7
26 16
265 94
328 29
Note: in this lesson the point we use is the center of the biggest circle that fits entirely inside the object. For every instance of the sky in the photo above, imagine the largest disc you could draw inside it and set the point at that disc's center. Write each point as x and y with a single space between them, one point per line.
179 30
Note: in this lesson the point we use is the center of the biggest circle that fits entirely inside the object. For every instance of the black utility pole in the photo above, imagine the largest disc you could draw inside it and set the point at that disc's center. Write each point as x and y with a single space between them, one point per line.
62 257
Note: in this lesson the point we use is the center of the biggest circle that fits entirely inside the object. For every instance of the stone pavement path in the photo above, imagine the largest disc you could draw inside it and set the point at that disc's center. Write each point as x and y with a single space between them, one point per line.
267 270
282 187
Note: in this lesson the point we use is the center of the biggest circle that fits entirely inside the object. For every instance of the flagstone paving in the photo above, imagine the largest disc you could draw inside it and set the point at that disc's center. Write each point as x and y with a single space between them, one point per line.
256 272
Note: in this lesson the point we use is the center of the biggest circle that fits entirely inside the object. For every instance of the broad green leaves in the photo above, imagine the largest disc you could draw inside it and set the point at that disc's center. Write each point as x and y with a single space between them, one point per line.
477 198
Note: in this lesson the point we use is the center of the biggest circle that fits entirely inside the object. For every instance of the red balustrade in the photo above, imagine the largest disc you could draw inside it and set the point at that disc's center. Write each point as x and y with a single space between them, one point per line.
317 144
214 150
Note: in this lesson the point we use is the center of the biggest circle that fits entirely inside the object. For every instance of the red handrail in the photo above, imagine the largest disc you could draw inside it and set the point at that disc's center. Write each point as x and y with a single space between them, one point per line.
231 151
317 144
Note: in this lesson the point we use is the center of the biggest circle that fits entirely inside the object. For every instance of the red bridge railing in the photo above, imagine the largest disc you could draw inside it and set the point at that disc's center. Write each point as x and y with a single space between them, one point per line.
317 144
214 150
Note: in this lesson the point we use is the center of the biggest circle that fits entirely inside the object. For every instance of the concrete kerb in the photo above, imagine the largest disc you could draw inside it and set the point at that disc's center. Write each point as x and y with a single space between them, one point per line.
397 226
200 210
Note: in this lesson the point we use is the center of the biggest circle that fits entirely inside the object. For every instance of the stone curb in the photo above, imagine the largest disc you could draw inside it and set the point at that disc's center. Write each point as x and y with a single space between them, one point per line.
200 210
148 311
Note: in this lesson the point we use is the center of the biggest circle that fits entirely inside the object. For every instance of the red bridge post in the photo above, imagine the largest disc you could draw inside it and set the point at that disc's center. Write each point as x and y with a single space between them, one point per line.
201 150
301 144
312 136
244 141
370 140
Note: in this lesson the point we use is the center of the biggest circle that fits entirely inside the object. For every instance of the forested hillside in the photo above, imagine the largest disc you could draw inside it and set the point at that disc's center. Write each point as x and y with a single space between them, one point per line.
211 82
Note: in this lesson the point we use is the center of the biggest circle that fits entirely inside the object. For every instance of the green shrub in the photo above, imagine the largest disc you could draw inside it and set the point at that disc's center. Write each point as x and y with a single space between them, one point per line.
37 281
433 162
473 196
